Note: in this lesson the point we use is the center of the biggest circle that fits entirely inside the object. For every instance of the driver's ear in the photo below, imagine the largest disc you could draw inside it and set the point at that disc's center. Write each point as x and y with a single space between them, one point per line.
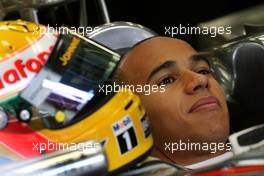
119 76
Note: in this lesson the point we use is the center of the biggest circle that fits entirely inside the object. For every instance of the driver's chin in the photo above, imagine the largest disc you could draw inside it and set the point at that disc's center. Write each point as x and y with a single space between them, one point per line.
213 127
216 132
209 136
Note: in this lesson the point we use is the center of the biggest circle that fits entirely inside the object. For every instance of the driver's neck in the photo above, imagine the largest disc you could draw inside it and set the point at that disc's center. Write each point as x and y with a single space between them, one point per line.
185 157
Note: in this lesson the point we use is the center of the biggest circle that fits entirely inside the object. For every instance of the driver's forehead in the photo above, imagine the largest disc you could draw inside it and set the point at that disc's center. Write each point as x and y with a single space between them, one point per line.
142 59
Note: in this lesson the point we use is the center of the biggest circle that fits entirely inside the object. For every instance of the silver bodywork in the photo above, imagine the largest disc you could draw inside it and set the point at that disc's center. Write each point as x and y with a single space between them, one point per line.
118 35
89 159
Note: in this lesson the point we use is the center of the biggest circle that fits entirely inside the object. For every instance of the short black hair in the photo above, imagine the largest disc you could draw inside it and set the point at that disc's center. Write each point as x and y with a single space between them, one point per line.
117 76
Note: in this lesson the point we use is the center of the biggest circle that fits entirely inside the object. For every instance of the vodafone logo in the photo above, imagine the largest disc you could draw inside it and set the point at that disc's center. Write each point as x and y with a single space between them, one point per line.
18 72
19 69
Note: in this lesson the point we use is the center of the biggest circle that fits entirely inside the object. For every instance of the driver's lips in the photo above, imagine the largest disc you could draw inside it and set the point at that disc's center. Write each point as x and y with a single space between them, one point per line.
206 103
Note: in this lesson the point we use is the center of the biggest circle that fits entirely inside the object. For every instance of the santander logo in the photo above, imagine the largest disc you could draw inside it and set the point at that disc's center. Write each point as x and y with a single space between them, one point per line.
17 70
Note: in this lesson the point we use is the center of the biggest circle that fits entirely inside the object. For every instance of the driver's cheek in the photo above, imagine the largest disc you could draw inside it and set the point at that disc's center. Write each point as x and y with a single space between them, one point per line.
216 89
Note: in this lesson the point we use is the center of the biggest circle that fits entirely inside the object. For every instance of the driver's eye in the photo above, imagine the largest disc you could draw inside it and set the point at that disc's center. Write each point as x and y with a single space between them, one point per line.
204 71
167 80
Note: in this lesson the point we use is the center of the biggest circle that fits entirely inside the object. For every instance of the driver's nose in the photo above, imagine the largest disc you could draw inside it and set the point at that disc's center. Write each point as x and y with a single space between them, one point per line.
195 82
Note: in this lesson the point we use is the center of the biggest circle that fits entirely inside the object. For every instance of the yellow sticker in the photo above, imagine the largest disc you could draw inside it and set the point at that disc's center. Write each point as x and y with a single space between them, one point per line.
68 54
59 116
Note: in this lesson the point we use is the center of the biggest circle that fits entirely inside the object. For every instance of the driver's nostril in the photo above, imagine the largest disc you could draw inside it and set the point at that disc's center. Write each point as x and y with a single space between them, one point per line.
197 87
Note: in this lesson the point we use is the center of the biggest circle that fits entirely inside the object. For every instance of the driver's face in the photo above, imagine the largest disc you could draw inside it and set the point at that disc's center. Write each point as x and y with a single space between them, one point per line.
193 106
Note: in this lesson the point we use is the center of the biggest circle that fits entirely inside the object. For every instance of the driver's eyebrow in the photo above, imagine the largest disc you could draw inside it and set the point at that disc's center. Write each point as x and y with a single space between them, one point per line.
164 65
199 58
